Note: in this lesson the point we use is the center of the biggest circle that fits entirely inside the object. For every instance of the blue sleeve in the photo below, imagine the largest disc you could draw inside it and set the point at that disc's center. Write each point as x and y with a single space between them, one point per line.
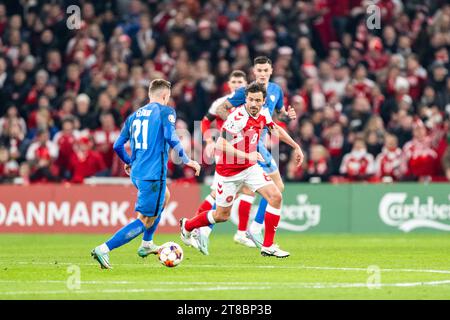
280 101
119 145
238 98
168 120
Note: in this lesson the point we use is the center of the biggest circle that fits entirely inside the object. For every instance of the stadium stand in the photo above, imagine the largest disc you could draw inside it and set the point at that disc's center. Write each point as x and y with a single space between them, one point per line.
372 105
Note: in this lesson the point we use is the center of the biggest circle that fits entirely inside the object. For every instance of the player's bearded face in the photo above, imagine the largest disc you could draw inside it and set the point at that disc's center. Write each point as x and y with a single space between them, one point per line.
262 72
254 102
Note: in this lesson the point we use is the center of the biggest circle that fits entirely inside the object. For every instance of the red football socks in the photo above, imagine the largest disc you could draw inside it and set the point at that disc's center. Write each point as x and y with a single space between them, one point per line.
271 220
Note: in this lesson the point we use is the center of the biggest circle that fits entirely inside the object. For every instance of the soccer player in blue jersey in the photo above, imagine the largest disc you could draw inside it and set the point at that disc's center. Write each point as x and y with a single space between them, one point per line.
262 68
150 130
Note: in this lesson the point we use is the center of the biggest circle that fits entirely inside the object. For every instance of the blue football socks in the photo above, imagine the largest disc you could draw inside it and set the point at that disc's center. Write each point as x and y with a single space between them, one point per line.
259 218
126 234
148 234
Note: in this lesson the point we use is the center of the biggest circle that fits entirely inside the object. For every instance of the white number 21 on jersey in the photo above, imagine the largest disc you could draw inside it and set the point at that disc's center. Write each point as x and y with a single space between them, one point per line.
137 126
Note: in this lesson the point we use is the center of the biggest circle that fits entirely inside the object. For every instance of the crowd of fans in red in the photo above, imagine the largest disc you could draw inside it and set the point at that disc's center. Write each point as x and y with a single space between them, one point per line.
372 105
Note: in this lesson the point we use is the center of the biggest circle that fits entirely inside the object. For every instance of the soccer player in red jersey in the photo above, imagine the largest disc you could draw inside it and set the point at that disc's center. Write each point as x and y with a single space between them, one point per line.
237 158
237 79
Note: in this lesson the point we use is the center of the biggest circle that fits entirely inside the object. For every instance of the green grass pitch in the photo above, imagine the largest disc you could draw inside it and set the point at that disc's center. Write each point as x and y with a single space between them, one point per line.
410 266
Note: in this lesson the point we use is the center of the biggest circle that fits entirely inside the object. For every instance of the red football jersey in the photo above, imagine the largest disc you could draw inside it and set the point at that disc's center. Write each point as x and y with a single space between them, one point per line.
246 131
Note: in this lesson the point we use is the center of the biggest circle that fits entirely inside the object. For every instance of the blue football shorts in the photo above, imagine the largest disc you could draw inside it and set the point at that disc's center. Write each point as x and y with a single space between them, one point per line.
150 196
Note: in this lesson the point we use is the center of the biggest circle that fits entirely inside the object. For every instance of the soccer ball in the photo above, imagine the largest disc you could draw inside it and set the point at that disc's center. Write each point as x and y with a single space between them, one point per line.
170 254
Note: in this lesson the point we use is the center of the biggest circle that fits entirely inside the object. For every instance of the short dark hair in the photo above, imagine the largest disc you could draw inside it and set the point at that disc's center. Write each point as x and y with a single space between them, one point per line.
69 118
159 84
262 60
238 74
255 87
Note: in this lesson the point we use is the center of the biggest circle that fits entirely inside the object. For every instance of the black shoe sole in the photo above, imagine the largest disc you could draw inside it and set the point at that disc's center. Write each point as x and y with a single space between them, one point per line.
265 254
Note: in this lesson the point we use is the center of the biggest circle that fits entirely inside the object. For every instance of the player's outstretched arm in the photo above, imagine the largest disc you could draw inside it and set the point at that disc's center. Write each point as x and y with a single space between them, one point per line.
222 109
224 146
286 138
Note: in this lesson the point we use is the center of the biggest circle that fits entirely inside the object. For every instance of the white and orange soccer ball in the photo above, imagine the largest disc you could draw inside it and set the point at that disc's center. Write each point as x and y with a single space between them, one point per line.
170 254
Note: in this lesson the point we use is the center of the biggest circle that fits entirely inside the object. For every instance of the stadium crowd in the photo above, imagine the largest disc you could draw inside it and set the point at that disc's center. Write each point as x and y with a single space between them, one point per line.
372 105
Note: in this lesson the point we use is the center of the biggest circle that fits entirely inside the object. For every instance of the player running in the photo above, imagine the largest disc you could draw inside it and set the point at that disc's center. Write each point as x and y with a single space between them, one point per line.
237 79
262 68
237 165
151 130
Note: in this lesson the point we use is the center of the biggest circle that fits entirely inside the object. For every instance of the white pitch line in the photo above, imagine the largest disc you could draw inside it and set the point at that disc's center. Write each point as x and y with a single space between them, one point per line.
381 270
231 288
237 267
142 282
217 288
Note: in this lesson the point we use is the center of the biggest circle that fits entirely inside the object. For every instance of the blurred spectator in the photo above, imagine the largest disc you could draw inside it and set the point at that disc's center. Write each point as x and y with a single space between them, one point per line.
336 144
9 168
84 161
41 156
65 140
87 119
358 164
306 136
12 115
420 158
105 136
14 140
105 104
318 168
41 118
17 90
389 163
374 135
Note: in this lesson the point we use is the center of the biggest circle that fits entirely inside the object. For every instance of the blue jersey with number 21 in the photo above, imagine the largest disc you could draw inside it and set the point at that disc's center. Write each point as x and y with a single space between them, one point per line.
151 130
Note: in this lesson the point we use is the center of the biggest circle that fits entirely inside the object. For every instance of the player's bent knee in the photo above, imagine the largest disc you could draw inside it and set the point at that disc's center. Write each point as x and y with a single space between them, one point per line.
275 199
147 221
222 215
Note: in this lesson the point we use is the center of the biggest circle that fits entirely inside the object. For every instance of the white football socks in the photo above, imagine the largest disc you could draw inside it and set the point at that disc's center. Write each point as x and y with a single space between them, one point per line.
240 233
103 248
146 244
256 227
206 231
